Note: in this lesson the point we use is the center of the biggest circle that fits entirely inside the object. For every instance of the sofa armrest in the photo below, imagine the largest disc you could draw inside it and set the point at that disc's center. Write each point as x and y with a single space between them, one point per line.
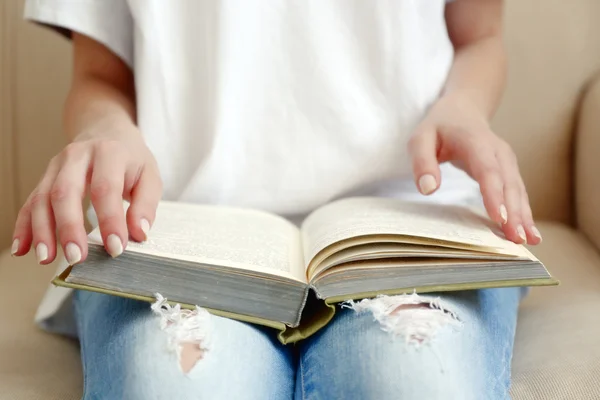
587 164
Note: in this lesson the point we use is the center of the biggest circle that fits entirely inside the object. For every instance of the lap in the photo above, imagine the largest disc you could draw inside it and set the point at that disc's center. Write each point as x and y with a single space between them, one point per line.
465 355
125 355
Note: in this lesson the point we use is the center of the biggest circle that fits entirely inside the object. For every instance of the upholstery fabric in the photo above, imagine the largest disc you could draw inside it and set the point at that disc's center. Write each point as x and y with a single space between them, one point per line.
587 165
557 355
33 364
553 51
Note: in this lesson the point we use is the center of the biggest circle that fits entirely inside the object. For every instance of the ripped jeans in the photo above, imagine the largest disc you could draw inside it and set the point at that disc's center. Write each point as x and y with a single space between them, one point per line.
451 346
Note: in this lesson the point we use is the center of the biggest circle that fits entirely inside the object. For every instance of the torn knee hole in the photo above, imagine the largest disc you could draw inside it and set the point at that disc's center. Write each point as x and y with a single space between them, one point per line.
187 331
410 307
189 355
414 317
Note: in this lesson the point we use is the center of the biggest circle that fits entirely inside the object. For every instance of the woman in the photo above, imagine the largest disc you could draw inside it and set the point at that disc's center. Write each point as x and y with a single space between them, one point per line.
283 106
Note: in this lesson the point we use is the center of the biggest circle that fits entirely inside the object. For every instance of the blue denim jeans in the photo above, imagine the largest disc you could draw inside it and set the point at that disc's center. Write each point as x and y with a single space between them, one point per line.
357 356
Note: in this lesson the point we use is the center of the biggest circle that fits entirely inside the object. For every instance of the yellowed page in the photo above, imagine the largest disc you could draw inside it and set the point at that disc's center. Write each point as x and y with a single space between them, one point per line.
388 264
223 236
388 250
365 216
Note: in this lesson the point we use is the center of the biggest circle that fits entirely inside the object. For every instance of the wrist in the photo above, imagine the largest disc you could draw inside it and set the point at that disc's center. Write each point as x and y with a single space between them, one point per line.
466 101
113 127
96 109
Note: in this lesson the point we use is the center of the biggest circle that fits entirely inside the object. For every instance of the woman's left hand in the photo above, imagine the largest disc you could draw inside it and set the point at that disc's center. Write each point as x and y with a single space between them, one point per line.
456 130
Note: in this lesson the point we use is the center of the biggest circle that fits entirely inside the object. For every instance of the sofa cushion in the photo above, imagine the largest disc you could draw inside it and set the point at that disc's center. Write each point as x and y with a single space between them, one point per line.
557 355
557 348
33 364
587 164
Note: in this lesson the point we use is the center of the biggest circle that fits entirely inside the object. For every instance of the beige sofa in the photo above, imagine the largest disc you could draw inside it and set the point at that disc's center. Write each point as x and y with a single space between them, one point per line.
551 114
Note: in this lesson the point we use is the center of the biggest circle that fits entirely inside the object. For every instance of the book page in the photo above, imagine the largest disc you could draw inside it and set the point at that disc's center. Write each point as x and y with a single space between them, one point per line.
223 236
387 250
354 217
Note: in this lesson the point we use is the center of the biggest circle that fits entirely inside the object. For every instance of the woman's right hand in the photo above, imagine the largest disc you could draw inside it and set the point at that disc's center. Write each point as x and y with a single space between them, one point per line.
112 167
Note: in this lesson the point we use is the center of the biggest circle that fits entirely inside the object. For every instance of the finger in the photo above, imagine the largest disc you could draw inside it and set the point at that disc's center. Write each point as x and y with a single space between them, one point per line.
42 217
533 234
483 166
44 230
66 196
145 196
423 151
106 192
513 229
22 236
492 190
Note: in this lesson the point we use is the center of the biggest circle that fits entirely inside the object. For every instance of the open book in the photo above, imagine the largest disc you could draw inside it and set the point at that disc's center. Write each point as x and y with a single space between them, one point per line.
258 267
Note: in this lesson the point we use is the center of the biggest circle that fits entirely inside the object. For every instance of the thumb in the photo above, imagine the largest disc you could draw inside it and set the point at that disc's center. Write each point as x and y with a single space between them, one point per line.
423 149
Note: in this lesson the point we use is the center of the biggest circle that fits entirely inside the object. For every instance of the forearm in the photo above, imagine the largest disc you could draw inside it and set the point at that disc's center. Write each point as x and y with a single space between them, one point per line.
478 72
96 107
102 96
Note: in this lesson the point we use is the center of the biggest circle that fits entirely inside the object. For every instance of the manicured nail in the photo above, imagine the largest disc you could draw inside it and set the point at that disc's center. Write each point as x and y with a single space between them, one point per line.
73 253
41 252
15 247
536 233
521 232
427 184
114 246
145 226
503 214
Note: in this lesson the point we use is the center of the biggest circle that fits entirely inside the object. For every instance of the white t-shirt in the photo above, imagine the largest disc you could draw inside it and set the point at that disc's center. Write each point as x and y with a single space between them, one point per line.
281 105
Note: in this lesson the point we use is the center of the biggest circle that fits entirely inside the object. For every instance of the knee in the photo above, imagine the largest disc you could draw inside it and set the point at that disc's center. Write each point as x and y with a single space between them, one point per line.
418 347
187 332
143 354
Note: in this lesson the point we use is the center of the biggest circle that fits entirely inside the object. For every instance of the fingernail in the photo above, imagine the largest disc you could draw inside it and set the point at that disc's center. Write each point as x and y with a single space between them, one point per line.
114 246
503 214
521 232
15 247
73 253
427 184
145 226
536 233
41 252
